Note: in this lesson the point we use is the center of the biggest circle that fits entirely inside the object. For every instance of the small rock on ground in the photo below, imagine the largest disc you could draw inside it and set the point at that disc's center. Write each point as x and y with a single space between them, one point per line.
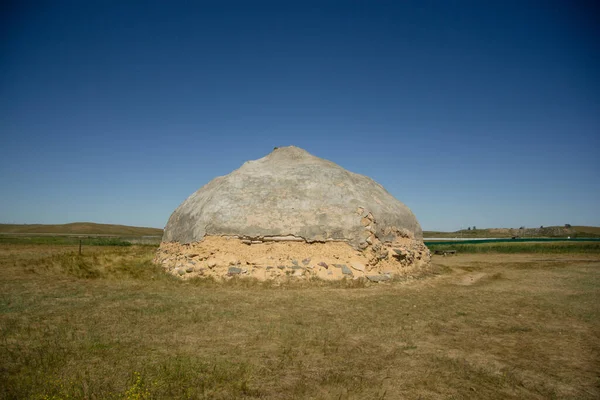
358 266
234 271
345 269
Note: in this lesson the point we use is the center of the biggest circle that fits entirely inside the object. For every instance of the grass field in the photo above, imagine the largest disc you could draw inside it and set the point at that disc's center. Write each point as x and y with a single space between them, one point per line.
547 231
80 228
65 240
521 247
110 325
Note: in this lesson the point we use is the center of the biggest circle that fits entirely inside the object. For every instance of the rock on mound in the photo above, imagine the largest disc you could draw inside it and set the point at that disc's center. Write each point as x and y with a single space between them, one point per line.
291 196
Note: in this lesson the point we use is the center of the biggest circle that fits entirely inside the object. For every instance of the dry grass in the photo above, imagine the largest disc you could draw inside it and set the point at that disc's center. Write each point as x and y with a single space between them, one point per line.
591 230
111 325
80 228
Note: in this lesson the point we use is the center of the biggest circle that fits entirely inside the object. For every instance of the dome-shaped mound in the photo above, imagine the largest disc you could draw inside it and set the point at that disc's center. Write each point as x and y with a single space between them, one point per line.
292 215
291 193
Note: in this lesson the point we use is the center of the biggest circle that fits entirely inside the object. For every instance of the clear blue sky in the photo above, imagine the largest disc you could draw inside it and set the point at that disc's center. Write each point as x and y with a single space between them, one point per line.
470 112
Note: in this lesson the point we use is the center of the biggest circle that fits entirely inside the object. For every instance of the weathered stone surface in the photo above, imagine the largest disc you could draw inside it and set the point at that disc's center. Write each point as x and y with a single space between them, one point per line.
345 269
234 271
401 254
289 238
292 195
271 217
261 261
358 266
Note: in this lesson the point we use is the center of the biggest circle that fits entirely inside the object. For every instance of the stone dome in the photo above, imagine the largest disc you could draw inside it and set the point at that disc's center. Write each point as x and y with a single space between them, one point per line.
293 195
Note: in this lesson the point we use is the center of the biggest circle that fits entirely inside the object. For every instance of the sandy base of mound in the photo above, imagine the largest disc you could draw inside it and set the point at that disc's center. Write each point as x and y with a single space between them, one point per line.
225 257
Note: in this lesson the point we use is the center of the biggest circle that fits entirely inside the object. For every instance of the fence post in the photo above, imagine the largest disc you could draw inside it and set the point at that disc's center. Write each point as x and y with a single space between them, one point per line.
79 246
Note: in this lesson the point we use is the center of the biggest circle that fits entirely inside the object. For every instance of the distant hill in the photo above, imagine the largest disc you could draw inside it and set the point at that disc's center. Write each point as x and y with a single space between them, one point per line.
79 228
90 228
541 232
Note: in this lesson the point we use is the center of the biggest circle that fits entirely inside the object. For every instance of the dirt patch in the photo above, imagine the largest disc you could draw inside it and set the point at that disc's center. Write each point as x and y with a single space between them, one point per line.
225 257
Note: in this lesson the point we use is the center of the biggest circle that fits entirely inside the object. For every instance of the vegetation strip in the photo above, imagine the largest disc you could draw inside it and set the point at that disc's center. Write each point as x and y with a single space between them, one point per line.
535 240
512 247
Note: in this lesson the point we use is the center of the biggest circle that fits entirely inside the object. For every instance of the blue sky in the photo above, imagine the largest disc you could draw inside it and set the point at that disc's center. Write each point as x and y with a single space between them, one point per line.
470 112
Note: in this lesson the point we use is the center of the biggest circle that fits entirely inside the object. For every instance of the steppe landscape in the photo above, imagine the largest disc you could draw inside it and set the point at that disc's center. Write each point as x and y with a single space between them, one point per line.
299 200
516 321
